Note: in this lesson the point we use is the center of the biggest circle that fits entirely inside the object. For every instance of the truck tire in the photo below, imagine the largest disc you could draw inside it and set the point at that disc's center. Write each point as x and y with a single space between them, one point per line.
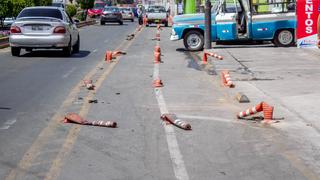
284 38
193 40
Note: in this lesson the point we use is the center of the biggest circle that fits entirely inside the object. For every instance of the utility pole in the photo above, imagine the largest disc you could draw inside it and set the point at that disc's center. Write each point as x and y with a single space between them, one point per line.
207 32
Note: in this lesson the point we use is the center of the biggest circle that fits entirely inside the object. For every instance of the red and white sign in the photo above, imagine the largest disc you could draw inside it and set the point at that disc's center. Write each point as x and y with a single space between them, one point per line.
307 16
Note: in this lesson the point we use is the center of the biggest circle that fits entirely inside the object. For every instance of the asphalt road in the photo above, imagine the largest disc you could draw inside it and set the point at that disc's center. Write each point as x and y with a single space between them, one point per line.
37 90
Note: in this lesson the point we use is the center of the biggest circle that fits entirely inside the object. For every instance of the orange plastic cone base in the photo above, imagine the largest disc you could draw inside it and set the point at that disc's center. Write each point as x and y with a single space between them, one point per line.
157 57
157 83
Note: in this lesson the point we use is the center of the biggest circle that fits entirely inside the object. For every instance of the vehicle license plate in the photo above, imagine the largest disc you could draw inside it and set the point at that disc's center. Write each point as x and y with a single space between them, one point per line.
37 28
157 20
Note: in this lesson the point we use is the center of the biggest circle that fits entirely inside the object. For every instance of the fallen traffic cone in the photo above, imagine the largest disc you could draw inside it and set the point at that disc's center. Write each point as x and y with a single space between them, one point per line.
157 49
267 112
251 111
206 54
75 118
108 56
172 118
226 79
157 83
88 84
157 57
159 27
116 53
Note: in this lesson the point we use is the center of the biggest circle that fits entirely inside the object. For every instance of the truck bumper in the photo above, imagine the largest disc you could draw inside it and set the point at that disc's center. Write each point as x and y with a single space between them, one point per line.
174 37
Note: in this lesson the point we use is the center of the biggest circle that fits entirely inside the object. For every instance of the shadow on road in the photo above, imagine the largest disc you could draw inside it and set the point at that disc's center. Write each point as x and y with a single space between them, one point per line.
55 53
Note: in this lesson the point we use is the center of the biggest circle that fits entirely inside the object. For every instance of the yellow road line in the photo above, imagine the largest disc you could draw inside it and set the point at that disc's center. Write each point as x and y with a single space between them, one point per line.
42 139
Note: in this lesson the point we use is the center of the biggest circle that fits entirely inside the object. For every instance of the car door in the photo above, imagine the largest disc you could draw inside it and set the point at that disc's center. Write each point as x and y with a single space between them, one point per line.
226 21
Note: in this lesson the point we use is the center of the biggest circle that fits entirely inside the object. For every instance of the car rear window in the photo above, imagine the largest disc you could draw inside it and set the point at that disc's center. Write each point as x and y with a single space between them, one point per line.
156 9
54 13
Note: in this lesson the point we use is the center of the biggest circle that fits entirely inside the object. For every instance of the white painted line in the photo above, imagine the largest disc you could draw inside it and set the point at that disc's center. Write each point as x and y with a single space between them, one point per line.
7 124
69 73
95 50
182 116
105 41
174 150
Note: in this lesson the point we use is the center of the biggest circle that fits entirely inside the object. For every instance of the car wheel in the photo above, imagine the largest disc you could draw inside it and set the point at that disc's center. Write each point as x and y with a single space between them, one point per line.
76 47
121 22
193 41
284 38
102 23
15 51
67 51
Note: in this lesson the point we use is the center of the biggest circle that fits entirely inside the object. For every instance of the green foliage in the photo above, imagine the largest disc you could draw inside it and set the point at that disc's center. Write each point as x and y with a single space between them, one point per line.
86 4
71 10
42 2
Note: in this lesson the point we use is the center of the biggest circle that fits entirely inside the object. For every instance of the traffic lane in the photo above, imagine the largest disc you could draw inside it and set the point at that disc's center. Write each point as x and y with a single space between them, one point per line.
32 92
218 146
286 78
137 149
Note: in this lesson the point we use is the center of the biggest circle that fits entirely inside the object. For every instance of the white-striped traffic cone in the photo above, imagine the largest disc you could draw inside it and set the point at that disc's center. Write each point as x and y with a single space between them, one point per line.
172 118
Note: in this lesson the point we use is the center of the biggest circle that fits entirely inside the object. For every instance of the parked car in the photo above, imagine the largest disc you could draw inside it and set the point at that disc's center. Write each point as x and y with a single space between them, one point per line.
97 9
111 14
44 27
127 13
8 21
157 14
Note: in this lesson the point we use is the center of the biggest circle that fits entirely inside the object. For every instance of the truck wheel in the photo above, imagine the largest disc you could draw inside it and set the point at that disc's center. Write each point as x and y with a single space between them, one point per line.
102 23
193 41
284 38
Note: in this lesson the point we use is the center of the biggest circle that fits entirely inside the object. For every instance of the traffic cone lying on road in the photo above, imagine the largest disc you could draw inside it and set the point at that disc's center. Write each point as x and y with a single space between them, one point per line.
206 54
117 53
75 118
159 27
172 118
157 83
157 38
266 108
88 84
226 79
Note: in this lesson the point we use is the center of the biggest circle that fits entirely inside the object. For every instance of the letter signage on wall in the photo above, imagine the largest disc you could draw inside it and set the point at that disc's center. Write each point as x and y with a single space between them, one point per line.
307 16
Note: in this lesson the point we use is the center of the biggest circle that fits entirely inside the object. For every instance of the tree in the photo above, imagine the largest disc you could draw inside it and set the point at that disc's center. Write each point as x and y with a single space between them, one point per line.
85 5
42 2
71 10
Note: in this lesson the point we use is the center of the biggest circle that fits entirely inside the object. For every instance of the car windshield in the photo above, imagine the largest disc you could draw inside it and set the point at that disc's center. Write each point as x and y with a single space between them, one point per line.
111 9
156 9
53 13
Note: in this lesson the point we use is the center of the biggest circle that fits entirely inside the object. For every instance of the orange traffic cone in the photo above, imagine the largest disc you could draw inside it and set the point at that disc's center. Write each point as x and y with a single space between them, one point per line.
251 111
75 118
172 118
157 83
145 21
157 57
205 58
116 53
226 79
267 111
108 56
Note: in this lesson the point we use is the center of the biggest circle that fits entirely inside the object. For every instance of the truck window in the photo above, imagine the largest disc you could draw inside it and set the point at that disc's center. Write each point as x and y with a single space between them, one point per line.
231 6
273 6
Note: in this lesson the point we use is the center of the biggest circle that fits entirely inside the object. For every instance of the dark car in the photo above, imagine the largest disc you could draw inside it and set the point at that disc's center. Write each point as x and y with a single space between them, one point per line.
111 14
